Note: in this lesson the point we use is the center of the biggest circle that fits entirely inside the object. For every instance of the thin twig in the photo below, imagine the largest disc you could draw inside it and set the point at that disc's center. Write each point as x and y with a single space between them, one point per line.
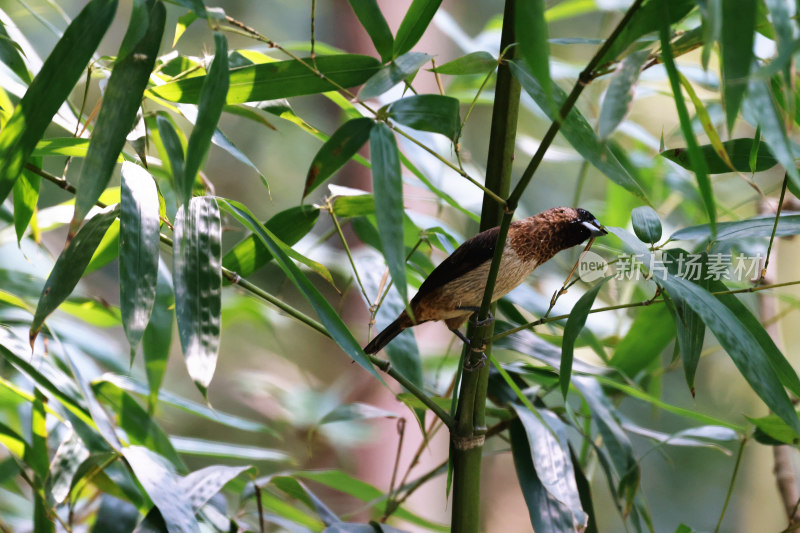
775 226
730 486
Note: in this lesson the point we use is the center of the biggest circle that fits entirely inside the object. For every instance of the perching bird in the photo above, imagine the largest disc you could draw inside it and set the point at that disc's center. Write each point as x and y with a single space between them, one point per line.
454 290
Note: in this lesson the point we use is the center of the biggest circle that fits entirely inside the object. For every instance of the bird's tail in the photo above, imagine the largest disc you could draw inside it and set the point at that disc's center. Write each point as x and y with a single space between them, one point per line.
390 332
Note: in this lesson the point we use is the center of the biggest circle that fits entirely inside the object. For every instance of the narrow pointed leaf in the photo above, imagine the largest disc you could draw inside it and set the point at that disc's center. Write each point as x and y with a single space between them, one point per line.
138 250
695 156
337 150
398 70
289 226
50 88
121 101
173 148
209 109
371 18
162 486
617 101
71 264
157 337
68 457
739 152
106 251
531 33
329 317
736 47
473 63
281 79
744 349
415 22
742 229
137 27
428 112
578 132
387 183
198 286
12 56
651 332
575 323
26 196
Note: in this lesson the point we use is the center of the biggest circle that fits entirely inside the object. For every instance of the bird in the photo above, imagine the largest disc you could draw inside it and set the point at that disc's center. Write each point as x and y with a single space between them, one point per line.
454 289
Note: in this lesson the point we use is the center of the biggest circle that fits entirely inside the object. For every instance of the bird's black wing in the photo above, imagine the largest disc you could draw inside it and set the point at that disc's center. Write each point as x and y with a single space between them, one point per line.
466 257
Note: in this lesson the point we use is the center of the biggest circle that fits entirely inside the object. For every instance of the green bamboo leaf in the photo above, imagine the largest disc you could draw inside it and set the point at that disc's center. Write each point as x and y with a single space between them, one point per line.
651 332
371 18
615 441
106 251
337 150
101 315
739 152
329 317
742 229
744 349
646 224
184 21
198 286
428 112
172 147
138 250
760 108
224 450
415 22
712 28
736 47
530 29
117 116
575 323
157 337
771 430
68 457
38 460
137 27
398 70
209 109
50 88
26 196
161 485
646 20
617 101
70 266
473 63
138 425
578 132
12 56
66 146
280 79
695 156
387 182
289 226
548 448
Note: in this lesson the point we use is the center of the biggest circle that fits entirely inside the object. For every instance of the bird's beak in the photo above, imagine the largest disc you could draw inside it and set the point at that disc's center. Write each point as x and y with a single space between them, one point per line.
595 228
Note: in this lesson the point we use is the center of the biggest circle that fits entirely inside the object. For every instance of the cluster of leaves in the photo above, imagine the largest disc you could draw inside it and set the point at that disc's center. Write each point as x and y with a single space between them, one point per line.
62 400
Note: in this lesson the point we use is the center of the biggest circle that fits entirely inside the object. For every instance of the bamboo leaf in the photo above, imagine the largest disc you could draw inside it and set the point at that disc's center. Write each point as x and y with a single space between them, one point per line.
530 30
744 349
209 109
575 323
398 70
695 156
549 450
646 224
68 457
280 79
138 250
651 332
117 116
741 229
70 266
329 317
337 150
157 337
26 196
473 63
289 226
161 485
739 153
578 132
414 24
428 112
12 56
371 18
617 101
50 88
137 27
106 251
387 183
736 47
198 286
173 149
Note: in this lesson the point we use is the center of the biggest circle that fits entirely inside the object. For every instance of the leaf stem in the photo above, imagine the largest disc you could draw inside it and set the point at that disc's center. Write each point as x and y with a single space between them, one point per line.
775 226
730 486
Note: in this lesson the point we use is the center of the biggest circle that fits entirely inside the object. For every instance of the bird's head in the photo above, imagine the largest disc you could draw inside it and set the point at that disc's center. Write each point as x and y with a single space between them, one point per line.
571 226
